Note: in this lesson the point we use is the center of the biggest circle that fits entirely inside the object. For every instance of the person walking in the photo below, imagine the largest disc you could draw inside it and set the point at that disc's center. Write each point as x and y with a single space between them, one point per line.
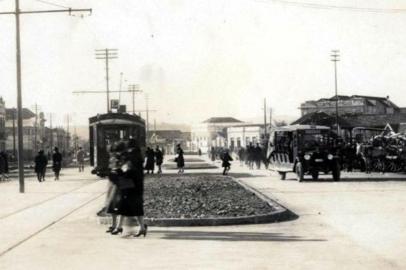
56 163
226 158
150 164
114 194
212 154
80 158
258 156
4 155
131 186
180 160
2 168
41 163
159 158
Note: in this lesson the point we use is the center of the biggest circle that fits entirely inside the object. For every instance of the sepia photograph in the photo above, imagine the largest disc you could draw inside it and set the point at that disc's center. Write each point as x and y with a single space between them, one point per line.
202 134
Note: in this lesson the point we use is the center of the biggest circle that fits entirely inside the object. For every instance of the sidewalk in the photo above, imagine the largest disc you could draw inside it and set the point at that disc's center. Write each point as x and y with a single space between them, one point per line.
53 226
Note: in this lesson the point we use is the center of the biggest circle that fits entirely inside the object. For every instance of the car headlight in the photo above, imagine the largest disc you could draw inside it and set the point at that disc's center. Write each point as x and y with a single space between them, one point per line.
307 157
330 156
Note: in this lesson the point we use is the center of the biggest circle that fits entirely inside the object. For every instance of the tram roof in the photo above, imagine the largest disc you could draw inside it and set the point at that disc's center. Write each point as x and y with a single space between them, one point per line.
299 127
116 118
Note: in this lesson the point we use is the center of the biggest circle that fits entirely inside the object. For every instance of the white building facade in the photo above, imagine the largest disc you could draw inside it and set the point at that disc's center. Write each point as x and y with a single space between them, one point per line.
212 133
244 135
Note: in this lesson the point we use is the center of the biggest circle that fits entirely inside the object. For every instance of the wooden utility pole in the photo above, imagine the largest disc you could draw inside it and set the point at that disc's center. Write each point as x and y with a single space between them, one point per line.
36 129
335 54
134 88
265 126
17 14
107 54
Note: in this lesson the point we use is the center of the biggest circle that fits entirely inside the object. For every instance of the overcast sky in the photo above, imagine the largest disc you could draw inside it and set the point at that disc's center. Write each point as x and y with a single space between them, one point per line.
202 58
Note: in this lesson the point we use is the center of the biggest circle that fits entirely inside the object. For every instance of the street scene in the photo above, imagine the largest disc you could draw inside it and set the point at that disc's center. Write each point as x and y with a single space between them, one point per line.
202 134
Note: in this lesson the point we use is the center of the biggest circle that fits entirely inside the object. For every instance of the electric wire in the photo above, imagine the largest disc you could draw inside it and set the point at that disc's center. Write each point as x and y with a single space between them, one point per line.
333 7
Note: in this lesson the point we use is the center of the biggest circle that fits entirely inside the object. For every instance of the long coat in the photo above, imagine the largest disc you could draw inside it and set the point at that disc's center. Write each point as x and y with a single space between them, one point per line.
41 162
180 160
56 162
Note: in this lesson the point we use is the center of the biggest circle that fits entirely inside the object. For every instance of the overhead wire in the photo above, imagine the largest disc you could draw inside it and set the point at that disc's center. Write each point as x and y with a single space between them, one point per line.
334 7
51 3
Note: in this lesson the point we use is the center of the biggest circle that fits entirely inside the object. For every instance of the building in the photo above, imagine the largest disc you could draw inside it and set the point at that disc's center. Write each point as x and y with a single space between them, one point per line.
2 125
212 133
168 139
352 105
33 132
244 135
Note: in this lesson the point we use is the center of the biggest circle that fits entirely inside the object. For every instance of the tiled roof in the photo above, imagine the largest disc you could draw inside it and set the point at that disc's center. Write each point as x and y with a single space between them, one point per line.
222 120
27 113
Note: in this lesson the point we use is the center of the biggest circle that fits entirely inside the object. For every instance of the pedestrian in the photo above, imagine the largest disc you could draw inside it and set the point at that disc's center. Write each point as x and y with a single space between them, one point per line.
4 155
212 154
226 158
80 158
241 155
150 164
258 156
113 205
159 158
250 156
2 168
199 152
56 163
41 163
131 186
180 160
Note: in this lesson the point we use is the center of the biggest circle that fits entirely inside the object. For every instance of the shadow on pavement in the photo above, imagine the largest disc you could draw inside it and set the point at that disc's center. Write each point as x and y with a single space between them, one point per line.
234 236
355 179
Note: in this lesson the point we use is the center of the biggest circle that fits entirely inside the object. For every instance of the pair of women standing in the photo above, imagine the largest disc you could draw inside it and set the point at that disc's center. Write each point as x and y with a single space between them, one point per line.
127 200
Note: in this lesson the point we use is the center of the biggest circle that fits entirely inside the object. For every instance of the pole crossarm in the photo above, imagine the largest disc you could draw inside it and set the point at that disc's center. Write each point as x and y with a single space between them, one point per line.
69 10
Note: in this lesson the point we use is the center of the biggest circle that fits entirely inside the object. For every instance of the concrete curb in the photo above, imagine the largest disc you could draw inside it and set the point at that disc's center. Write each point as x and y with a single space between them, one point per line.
280 214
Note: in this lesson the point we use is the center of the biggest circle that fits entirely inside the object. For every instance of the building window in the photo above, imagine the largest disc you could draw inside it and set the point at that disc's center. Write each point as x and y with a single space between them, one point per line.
238 142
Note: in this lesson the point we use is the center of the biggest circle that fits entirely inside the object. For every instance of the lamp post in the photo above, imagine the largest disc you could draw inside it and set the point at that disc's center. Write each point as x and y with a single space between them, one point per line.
335 54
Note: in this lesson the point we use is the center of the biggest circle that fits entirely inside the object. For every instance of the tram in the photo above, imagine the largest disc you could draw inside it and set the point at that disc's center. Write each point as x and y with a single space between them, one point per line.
106 129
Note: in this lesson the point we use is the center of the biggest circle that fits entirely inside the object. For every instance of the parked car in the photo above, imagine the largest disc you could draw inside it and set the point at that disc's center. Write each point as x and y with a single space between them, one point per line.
304 150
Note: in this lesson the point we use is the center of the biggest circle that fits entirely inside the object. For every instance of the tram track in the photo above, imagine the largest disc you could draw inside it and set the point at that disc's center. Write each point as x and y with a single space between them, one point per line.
50 224
44 201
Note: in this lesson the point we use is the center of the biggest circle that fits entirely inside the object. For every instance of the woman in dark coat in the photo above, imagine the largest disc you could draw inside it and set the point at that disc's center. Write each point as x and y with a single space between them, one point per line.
180 160
132 194
56 162
150 165
226 158
41 162
159 158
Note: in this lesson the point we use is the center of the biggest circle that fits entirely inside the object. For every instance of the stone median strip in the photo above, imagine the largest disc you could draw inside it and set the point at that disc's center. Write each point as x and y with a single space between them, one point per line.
279 214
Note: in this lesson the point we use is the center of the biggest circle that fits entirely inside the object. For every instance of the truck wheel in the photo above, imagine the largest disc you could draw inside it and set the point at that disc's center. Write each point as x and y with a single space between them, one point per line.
315 175
336 173
299 172
282 175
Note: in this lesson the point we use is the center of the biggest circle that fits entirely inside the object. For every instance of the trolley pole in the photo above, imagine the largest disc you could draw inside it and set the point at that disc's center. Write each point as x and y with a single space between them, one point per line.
335 54
107 54
17 14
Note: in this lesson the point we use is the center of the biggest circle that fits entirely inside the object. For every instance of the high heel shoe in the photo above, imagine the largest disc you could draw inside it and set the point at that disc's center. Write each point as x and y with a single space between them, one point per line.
142 232
117 231
110 229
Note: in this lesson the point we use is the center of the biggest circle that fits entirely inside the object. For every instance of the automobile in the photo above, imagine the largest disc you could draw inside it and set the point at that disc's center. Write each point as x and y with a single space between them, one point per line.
304 150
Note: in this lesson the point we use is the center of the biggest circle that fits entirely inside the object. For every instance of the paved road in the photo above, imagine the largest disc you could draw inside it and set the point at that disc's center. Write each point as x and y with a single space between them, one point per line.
345 225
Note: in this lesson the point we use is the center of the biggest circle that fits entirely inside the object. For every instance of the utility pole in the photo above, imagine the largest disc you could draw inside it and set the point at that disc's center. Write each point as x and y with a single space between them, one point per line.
36 129
52 132
134 88
120 88
107 54
14 133
147 110
17 14
265 138
335 54
67 134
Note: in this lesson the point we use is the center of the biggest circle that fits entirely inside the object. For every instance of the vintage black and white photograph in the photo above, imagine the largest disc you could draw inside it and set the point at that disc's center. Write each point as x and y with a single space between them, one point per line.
202 134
